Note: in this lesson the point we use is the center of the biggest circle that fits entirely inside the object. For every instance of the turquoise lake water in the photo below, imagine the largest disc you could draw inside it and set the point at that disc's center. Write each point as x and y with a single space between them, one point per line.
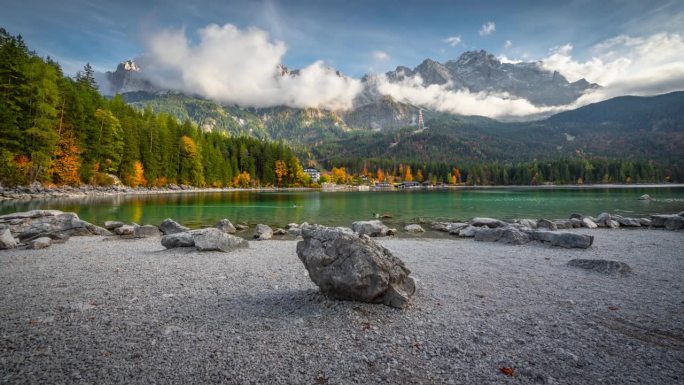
342 208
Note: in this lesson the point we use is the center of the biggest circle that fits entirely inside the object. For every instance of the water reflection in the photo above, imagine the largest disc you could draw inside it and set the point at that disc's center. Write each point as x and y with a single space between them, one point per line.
341 208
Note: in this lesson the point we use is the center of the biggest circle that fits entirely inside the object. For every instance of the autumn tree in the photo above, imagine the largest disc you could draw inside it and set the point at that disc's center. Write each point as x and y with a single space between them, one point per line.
381 175
138 177
408 177
280 171
66 164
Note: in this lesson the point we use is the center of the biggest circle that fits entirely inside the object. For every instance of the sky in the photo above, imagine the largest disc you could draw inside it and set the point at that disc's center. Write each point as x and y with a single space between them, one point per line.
603 39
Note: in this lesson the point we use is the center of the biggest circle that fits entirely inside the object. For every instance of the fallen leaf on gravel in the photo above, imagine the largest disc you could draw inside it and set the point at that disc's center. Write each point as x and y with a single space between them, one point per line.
33 322
507 371
321 380
547 258
365 325
613 308
93 303
107 354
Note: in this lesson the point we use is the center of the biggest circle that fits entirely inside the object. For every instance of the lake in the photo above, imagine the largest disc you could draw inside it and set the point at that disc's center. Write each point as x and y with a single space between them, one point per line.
342 208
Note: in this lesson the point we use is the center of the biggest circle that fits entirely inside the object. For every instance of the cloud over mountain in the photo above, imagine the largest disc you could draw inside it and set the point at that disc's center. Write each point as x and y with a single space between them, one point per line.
241 67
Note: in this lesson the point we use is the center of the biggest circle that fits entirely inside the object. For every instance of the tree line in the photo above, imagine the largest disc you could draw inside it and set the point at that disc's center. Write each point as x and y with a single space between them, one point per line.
58 130
561 171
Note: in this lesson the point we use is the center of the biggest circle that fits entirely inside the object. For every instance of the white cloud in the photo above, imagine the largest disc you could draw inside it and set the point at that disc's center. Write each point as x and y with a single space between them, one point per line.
241 67
453 40
441 98
508 44
380 55
505 59
488 28
626 65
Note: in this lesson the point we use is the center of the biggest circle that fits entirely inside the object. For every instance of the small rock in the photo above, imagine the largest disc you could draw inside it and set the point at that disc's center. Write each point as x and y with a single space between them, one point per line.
7 241
262 232
489 222
576 216
505 235
124 230
292 225
645 222
601 266
588 223
529 223
563 224
414 228
169 226
546 224
225 226
111 225
279 231
372 228
468 232
241 227
645 197
216 240
629 222
567 240
576 223
613 224
602 219
40 243
146 231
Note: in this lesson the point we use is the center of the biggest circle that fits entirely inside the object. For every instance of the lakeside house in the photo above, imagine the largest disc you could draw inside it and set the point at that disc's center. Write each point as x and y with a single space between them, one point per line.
313 173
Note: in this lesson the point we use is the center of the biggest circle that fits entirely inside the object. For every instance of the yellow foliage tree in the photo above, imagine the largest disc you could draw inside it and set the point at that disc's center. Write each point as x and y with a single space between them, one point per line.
138 177
408 177
243 180
280 171
339 175
419 175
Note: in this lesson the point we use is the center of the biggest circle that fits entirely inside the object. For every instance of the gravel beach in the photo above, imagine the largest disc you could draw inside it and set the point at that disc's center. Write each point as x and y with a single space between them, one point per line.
99 310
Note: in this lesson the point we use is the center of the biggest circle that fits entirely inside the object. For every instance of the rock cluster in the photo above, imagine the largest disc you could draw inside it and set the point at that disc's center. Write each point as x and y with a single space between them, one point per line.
350 266
210 239
372 228
25 227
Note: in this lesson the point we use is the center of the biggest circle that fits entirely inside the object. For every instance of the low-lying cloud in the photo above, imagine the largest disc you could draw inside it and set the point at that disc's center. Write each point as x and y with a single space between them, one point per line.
241 67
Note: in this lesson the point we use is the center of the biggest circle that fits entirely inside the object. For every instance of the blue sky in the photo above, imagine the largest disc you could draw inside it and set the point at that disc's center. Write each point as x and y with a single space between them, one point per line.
353 36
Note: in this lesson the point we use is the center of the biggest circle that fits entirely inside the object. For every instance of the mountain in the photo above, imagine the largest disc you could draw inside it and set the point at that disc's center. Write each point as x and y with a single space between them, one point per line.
479 71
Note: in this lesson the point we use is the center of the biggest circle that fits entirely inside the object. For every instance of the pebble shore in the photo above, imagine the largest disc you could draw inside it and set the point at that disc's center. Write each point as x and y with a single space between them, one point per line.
108 310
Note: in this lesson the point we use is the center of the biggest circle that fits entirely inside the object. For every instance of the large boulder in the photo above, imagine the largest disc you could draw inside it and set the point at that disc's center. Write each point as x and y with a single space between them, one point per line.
372 228
262 232
34 224
169 226
414 228
7 241
146 231
225 226
659 220
564 239
489 222
217 240
349 266
675 222
601 266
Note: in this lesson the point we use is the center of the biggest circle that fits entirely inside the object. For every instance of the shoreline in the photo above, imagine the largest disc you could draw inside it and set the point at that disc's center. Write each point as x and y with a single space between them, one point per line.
98 310
38 192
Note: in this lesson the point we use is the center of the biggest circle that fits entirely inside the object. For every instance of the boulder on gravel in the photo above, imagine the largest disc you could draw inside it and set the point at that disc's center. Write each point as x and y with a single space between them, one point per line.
7 241
184 239
146 231
675 222
563 224
440 226
349 266
659 220
546 224
262 232
40 243
576 216
414 228
216 240
588 223
225 226
601 266
372 228
612 224
529 223
602 219
111 225
124 230
38 223
169 226
489 222
502 234
564 239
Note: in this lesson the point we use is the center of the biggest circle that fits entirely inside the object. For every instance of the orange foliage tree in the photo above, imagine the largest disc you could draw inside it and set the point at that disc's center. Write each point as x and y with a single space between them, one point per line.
66 164
408 177
339 175
138 177
381 175
280 171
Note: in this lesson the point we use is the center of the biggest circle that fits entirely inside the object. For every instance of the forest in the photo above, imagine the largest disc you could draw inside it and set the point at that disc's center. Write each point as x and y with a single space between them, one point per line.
60 131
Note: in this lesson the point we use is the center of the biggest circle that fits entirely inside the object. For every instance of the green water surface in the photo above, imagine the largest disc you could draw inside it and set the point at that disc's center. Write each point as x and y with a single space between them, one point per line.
342 208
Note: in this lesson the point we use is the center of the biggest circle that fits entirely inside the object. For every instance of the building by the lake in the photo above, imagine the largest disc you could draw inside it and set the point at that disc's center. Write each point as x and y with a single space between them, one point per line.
313 173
